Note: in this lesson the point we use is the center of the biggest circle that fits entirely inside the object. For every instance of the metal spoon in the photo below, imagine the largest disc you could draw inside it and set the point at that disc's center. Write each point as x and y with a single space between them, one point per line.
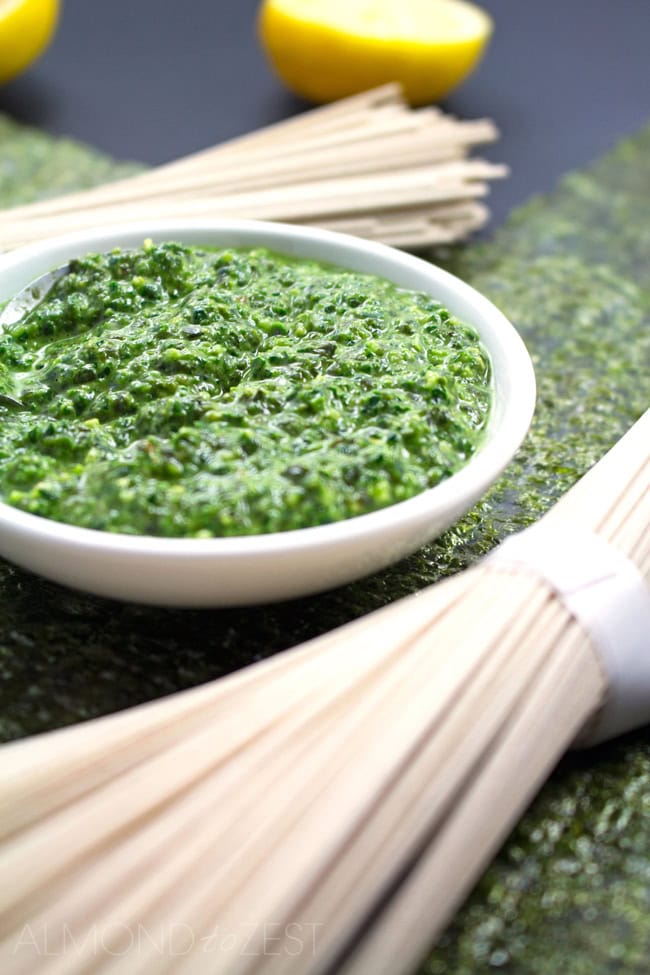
33 293
20 305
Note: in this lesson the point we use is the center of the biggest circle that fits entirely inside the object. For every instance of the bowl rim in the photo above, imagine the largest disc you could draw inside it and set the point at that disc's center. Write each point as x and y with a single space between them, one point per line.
476 475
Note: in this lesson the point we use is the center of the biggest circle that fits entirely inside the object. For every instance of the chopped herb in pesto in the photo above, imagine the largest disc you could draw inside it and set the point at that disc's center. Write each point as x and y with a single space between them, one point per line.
177 391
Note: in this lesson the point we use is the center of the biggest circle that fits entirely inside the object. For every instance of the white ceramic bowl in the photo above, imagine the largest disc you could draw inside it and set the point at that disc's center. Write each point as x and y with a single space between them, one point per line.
262 568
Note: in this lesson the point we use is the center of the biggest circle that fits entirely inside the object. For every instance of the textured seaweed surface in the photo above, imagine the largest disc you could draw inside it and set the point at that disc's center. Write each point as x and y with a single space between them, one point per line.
35 166
570 891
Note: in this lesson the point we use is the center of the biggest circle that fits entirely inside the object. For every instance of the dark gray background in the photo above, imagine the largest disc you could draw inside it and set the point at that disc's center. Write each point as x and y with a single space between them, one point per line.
150 80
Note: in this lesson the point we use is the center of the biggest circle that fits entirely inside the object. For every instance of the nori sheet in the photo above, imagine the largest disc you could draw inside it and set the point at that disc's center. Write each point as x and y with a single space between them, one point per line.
570 890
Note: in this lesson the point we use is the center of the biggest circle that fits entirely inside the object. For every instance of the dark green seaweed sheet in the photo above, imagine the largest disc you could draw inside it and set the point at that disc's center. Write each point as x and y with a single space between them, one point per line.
34 166
570 891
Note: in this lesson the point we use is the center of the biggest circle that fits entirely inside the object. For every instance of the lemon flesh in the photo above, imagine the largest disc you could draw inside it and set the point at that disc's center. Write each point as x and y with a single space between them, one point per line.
26 28
328 49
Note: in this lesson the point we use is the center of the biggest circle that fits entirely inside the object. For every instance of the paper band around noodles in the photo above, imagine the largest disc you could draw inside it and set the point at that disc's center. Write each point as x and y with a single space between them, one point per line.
608 596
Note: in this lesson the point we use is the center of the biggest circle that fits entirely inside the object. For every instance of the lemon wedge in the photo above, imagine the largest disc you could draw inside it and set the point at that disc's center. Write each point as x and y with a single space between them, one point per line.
26 28
327 49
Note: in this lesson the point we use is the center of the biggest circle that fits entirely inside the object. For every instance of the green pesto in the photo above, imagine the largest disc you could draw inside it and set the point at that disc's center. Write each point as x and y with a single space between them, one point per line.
570 891
179 391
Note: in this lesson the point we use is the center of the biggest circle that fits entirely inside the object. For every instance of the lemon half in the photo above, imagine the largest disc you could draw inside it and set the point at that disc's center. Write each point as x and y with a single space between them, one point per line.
327 49
26 27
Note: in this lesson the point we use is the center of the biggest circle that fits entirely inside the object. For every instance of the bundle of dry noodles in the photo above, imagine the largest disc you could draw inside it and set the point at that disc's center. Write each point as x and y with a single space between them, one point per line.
326 810
367 165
